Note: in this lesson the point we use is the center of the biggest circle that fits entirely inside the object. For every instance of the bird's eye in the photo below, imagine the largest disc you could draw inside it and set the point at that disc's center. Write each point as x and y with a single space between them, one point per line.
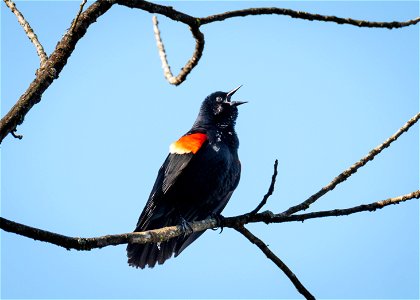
219 99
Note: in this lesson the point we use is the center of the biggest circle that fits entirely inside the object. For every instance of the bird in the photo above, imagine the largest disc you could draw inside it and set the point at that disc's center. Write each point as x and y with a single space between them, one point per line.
195 182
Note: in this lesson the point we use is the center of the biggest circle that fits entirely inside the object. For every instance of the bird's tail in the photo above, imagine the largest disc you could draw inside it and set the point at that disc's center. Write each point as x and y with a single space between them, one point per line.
142 255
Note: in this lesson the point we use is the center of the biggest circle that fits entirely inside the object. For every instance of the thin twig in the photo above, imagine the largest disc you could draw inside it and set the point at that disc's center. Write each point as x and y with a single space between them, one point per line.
353 169
78 15
348 211
162 54
193 61
29 31
269 192
275 259
305 16
198 51
167 233
15 135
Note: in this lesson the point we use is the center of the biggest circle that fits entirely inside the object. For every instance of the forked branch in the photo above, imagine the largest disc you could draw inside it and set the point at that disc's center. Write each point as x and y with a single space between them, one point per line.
192 62
353 169
78 15
347 211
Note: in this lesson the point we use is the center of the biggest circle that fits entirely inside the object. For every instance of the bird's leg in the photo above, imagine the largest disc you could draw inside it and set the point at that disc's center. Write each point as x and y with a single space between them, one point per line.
186 227
219 221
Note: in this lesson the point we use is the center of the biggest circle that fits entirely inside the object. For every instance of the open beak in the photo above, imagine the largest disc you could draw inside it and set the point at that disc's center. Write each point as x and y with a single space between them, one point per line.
229 95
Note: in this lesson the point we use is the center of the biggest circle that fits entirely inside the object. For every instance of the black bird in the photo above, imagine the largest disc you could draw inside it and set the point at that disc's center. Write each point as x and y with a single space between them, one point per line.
195 182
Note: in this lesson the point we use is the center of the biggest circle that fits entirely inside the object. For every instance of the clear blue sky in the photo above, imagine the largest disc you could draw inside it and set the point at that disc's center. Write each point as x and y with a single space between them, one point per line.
321 96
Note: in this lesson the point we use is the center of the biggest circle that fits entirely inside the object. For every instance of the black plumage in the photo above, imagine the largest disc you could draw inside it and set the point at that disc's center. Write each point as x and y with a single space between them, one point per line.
195 182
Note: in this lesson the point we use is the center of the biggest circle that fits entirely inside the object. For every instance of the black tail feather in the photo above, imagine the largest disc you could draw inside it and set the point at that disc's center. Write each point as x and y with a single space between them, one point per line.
142 255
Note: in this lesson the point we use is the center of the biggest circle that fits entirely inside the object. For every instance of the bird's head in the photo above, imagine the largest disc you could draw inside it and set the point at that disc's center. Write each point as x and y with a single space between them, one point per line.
218 109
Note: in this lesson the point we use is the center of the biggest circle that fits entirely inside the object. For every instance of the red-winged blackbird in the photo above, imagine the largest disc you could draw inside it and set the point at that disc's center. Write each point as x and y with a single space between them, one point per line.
195 182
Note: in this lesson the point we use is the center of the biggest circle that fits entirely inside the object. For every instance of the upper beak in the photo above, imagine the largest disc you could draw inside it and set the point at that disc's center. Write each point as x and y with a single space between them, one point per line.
229 95
232 92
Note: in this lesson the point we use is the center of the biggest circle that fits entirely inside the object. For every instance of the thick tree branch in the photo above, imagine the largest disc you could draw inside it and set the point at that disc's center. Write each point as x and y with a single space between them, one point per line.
166 233
305 16
78 243
353 169
29 31
279 263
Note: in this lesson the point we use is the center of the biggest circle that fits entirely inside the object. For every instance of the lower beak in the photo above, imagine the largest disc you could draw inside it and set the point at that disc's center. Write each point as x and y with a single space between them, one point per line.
237 103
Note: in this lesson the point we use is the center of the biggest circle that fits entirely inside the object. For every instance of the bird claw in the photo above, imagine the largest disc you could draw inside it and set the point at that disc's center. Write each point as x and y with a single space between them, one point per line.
185 227
219 221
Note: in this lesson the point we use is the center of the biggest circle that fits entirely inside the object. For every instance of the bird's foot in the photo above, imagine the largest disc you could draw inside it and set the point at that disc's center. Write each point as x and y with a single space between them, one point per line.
219 221
186 227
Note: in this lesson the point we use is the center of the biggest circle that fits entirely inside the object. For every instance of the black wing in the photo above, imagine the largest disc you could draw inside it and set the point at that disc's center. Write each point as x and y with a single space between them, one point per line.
167 175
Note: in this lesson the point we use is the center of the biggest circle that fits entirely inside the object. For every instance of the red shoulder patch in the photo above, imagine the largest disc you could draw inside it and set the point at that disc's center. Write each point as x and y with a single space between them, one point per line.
188 143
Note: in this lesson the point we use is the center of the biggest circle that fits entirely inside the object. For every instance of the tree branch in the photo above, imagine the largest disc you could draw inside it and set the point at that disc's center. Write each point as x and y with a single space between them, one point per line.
78 15
279 263
353 169
270 190
305 16
87 244
198 51
29 31
347 211
166 233
167 11
161 49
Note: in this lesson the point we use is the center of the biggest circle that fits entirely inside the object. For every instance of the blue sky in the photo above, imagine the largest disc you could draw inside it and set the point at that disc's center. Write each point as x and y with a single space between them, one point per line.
321 96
